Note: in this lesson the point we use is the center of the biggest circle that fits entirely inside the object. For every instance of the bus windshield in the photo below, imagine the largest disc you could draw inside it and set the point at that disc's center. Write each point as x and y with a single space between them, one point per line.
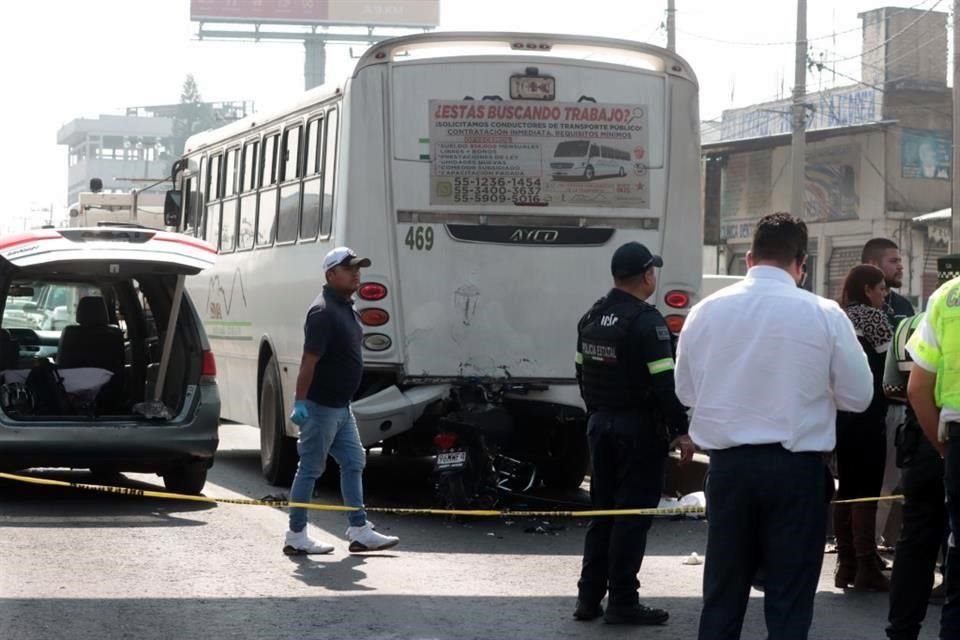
572 149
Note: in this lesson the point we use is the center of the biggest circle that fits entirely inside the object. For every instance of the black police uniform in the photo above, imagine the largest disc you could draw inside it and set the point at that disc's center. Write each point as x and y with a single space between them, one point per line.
625 371
897 308
924 515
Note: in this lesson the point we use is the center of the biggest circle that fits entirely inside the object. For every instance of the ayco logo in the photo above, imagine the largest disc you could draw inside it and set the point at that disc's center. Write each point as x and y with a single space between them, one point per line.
544 236
608 321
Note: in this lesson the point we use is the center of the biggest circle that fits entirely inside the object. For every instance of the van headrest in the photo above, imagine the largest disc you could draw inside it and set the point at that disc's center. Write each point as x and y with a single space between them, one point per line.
92 312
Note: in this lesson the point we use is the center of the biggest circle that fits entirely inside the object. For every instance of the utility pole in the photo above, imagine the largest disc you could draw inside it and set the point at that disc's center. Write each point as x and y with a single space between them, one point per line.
955 164
798 160
672 25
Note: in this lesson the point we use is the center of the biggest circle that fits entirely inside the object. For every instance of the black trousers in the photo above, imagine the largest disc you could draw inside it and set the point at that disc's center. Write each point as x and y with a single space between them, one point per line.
950 616
764 511
861 455
921 534
628 455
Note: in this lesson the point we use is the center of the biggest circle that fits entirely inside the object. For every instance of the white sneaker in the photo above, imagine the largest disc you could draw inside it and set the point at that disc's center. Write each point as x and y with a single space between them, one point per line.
298 543
366 539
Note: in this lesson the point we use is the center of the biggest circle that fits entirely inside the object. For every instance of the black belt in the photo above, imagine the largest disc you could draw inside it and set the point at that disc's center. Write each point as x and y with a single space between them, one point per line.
953 430
770 446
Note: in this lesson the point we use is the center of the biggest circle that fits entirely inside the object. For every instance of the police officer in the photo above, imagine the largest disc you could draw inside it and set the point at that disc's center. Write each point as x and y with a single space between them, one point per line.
934 393
924 515
625 370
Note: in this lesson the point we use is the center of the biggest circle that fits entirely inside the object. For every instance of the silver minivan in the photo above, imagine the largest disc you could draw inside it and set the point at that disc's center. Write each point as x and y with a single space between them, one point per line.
128 384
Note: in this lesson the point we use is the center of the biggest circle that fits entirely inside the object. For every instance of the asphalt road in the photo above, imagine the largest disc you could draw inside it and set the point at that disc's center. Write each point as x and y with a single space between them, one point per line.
77 565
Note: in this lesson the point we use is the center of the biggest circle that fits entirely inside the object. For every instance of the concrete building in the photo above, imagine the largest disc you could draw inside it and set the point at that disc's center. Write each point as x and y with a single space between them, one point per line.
132 150
878 156
114 147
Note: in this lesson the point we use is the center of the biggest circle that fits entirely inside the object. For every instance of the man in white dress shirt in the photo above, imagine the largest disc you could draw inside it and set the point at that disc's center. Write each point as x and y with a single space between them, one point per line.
765 366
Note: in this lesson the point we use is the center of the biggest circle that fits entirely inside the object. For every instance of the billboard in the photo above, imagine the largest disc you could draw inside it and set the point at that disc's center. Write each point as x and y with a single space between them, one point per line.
528 153
841 107
394 13
926 153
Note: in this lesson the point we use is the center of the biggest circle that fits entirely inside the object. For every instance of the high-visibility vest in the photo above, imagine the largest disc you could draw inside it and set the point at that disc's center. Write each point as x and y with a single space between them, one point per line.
943 317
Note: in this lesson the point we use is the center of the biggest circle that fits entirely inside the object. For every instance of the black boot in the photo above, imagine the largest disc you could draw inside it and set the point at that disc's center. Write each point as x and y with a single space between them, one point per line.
846 571
586 612
869 577
636 614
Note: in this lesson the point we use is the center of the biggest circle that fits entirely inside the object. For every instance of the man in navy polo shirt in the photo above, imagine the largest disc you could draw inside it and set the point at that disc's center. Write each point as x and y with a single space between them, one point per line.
330 372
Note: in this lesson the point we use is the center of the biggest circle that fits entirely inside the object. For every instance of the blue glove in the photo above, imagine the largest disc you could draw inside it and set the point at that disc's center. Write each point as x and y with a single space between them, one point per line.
299 414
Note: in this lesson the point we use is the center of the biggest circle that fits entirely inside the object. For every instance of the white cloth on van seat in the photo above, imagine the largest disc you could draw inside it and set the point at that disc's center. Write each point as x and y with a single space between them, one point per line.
82 381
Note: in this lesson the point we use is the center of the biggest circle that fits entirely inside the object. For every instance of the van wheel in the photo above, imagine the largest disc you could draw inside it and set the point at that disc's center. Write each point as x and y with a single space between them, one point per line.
569 457
278 451
187 479
622 172
588 173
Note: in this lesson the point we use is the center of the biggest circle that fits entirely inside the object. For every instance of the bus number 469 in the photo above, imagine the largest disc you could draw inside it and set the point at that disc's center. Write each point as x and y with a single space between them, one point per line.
419 238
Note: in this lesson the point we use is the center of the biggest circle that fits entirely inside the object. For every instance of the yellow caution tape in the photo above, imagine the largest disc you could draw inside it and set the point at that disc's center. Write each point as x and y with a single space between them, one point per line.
487 513
877 499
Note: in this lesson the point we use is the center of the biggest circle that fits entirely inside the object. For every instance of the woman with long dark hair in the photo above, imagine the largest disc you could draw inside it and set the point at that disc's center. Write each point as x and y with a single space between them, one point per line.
861 440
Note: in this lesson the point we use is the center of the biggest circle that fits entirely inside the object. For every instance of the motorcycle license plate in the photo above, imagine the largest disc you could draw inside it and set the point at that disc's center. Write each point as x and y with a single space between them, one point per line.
451 459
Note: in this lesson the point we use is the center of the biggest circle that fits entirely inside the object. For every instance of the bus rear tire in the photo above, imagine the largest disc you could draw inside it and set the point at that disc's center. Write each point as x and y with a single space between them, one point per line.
278 451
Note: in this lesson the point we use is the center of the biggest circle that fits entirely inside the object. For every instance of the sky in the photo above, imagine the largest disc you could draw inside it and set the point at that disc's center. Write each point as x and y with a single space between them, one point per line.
63 59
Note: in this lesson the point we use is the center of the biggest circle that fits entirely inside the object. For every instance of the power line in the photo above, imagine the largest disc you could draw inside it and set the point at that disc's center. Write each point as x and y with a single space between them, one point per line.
822 66
891 38
742 43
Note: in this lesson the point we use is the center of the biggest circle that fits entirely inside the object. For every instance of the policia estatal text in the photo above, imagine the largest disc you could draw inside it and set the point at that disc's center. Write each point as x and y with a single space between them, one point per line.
625 371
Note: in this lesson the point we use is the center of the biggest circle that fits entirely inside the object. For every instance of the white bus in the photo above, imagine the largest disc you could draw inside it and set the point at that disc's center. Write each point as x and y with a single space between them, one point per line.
433 159
588 160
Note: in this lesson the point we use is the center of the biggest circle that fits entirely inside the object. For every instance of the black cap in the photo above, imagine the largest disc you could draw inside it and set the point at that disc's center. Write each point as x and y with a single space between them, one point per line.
633 259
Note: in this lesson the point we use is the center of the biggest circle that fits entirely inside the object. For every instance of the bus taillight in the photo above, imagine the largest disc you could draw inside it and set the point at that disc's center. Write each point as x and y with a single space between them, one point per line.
675 323
677 299
372 291
374 317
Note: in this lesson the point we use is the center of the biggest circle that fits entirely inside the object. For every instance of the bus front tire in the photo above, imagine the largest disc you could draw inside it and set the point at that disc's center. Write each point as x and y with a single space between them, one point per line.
588 174
278 451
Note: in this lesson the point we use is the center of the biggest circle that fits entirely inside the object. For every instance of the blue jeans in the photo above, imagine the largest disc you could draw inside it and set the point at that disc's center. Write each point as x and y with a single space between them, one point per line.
329 431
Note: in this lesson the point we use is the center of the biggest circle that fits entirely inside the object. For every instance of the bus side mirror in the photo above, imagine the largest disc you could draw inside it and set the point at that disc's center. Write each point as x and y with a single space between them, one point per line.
171 208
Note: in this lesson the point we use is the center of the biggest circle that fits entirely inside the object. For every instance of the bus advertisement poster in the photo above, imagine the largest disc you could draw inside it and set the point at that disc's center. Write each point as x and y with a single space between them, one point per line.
531 153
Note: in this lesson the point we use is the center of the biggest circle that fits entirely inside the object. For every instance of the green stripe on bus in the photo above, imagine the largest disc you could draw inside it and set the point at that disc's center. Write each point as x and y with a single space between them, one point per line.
229 323
659 366
579 358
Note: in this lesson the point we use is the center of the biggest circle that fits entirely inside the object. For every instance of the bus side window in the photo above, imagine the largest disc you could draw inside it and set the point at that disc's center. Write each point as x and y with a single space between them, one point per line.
329 173
200 206
310 217
228 223
214 192
288 218
267 209
248 195
186 207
